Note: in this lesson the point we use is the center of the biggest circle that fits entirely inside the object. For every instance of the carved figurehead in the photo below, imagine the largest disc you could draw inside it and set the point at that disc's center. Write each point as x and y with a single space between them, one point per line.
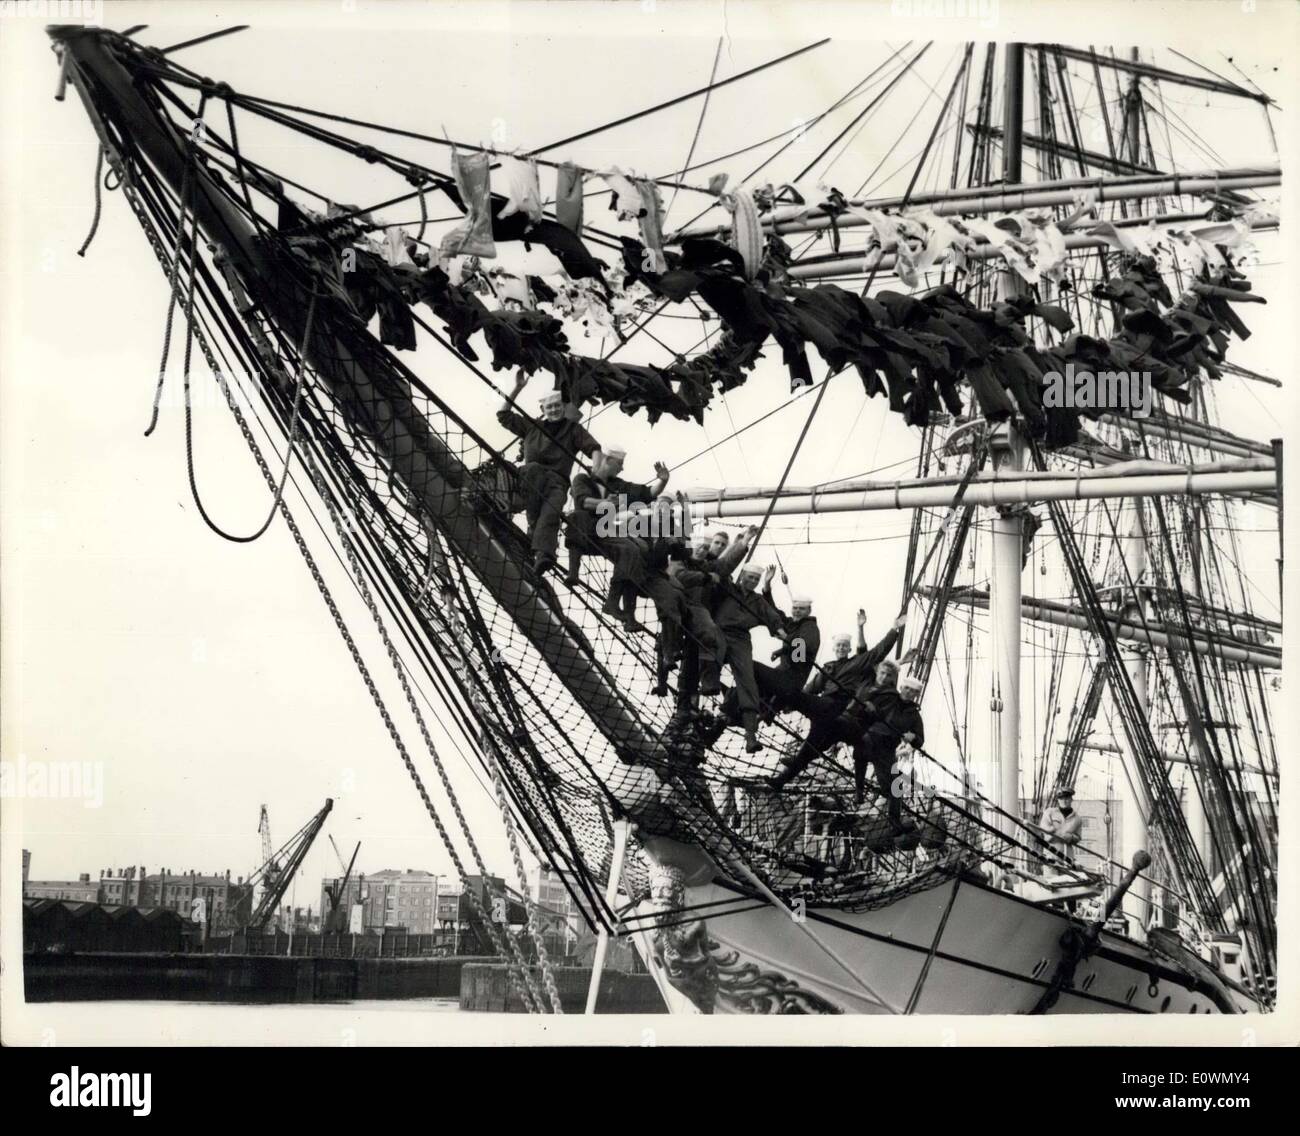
683 950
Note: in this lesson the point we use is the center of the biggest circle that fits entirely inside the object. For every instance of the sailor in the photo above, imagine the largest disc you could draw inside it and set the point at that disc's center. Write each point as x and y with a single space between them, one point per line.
822 679
838 678
839 716
829 692
550 446
780 686
718 543
740 607
1064 827
892 715
696 635
602 501
640 567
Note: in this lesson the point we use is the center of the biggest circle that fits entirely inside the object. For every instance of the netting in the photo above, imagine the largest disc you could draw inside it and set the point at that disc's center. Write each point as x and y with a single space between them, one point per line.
557 693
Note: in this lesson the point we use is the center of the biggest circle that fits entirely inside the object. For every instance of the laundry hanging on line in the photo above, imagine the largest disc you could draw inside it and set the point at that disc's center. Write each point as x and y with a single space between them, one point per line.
473 236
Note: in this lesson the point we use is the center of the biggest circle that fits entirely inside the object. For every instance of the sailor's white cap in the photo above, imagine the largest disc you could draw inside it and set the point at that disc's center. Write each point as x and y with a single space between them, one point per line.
614 452
842 637
801 598
752 569
910 682
549 396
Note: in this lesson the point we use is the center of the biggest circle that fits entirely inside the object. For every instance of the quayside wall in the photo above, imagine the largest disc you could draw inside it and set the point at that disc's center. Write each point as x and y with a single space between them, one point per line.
481 984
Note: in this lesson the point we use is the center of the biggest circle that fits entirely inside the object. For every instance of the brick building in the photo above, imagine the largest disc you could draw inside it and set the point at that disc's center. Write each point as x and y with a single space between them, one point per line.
81 890
390 898
229 903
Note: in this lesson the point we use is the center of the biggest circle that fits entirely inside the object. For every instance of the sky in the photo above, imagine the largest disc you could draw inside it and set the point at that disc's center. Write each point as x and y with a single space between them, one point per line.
207 677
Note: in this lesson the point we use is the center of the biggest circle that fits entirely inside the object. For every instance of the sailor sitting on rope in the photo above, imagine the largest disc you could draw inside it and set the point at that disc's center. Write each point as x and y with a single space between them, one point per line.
824 680
720 559
640 559
779 687
891 714
739 609
550 446
602 502
835 716
696 634
713 546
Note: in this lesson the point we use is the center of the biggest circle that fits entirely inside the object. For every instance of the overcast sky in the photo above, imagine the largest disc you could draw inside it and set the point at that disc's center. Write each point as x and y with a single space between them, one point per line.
207 677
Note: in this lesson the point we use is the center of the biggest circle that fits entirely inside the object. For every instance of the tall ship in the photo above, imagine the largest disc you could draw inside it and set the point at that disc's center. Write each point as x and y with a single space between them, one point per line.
1050 311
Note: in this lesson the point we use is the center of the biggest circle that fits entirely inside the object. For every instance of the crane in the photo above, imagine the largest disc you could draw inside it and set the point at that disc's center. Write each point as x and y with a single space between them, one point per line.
278 868
270 869
334 921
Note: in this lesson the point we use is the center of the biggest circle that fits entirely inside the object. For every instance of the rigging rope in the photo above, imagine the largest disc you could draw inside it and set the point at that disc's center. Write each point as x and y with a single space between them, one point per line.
173 293
99 202
526 992
299 382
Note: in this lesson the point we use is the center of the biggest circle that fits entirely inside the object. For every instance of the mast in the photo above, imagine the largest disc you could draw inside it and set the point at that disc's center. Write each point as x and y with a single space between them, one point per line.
1133 114
1008 456
1137 831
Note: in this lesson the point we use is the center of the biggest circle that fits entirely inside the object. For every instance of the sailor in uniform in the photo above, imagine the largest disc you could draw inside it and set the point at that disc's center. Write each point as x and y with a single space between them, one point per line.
550 446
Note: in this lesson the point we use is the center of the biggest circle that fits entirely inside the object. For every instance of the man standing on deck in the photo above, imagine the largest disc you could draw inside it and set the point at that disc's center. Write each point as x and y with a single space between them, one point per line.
550 446
1063 826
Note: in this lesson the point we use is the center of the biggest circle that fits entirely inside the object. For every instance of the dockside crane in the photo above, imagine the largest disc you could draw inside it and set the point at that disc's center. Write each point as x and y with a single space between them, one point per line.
278 868
270 869
336 921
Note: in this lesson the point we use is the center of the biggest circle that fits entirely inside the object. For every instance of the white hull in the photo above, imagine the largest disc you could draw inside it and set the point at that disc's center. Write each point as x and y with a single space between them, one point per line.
993 954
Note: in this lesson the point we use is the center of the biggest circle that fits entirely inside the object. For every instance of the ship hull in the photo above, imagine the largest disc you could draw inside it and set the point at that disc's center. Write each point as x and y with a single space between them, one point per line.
958 948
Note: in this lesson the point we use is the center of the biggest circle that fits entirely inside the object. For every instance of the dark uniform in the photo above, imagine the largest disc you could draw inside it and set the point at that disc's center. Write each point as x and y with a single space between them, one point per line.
550 449
737 614
887 717
697 636
640 566
837 681
780 686
581 538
